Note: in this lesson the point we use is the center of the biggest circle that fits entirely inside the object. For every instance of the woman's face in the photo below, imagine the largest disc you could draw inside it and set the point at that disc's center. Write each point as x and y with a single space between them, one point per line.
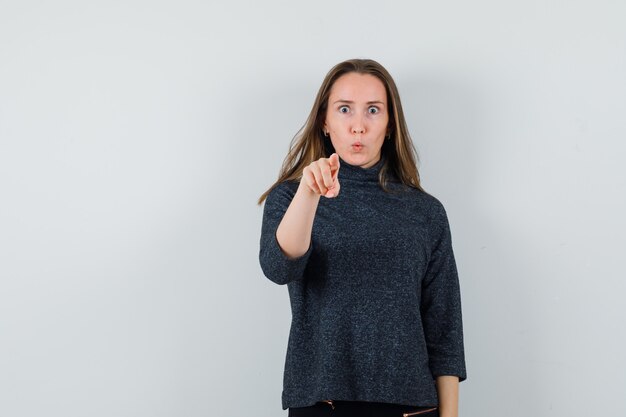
357 118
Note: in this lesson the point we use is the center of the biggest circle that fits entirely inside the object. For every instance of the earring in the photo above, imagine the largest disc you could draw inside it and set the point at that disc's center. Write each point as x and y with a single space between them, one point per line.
326 133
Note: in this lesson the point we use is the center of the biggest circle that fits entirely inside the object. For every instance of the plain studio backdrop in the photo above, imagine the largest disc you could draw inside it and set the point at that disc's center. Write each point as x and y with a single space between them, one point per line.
137 136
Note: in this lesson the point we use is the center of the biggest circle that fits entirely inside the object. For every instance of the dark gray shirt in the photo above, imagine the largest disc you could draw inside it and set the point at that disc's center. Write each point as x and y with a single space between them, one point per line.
375 300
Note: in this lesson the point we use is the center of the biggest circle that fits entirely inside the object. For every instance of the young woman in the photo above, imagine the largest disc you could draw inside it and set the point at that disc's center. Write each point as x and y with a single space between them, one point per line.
367 258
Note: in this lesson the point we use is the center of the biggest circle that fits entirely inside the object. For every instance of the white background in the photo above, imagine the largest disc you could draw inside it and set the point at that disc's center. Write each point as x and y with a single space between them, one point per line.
136 137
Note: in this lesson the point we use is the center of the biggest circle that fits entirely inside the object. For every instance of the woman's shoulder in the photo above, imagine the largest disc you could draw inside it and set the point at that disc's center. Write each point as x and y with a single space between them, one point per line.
283 190
413 192
433 205
286 186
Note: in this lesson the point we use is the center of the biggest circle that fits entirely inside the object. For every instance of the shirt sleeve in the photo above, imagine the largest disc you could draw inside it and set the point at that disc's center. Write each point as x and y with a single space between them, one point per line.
275 264
441 302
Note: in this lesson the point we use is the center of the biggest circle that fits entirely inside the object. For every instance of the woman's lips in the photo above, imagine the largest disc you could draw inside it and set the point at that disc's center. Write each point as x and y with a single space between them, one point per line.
357 146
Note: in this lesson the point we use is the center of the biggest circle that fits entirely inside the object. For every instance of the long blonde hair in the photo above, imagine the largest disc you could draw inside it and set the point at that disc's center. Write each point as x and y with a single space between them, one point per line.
309 144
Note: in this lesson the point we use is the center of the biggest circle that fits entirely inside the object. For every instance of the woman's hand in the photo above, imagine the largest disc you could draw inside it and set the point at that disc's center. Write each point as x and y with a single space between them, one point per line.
321 176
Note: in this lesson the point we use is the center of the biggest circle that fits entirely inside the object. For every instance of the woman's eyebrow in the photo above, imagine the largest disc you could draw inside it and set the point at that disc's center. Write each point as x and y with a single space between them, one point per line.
352 102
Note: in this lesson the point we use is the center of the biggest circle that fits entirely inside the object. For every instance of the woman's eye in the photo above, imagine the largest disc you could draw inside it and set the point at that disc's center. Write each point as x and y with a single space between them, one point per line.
344 109
373 110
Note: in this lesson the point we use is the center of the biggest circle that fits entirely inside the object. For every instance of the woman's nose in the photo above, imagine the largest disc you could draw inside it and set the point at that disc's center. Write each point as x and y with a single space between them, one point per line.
358 124
358 128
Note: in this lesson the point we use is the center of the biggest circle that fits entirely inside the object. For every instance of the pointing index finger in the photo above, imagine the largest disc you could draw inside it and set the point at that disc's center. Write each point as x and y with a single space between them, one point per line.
334 161
334 165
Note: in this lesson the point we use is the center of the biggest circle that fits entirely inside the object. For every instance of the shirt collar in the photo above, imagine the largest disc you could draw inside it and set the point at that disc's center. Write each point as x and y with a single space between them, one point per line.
355 172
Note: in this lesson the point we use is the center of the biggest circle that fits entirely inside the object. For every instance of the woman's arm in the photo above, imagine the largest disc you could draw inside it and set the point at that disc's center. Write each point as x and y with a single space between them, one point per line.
442 315
294 231
448 392
277 265
318 178
286 244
